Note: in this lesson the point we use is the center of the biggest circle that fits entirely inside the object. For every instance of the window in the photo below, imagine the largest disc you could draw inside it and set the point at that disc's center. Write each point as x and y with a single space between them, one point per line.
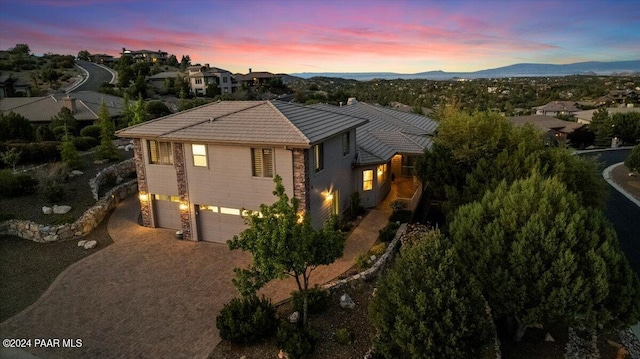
262 162
225 80
163 197
346 144
318 151
199 155
367 180
198 81
160 153
382 173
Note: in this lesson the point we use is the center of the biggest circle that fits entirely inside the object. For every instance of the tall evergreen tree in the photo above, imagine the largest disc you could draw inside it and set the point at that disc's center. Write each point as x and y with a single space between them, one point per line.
107 150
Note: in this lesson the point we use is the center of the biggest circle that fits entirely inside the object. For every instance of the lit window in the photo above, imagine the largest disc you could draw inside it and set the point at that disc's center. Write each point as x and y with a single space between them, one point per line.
160 153
234 211
164 197
262 162
367 180
198 81
199 155
346 144
318 151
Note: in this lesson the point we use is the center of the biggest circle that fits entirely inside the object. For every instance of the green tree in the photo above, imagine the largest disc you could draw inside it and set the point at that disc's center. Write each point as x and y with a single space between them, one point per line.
426 306
541 257
140 114
185 62
83 55
20 49
173 61
284 243
633 160
14 126
64 118
107 150
602 127
11 157
157 109
69 153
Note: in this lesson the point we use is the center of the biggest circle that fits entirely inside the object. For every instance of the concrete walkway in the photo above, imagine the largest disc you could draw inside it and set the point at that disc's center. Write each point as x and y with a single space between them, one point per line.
149 295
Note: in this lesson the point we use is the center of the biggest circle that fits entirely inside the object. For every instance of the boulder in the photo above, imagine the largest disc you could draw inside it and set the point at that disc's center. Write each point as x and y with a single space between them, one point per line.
282 354
76 173
90 244
46 210
373 258
294 317
346 302
81 243
128 147
549 338
61 209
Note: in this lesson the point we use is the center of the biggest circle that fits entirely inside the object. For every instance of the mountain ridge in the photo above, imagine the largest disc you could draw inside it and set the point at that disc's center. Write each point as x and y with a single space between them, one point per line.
515 70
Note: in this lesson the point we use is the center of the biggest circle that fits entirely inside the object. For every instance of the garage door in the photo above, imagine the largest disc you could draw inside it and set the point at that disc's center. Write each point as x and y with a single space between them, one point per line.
214 226
166 210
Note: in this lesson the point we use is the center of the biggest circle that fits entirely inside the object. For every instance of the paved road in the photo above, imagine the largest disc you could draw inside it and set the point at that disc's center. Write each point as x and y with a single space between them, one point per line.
622 213
97 75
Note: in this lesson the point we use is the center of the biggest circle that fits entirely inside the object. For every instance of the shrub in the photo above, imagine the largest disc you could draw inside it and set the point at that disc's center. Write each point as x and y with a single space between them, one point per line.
64 219
44 133
246 319
378 249
13 185
35 152
84 143
343 336
362 261
295 341
91 131
317 300
52 190
388 232
402 216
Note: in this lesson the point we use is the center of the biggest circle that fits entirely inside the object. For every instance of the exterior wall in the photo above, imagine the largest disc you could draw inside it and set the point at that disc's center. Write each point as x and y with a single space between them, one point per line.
381 186
228 182
336 175
396 166
301 182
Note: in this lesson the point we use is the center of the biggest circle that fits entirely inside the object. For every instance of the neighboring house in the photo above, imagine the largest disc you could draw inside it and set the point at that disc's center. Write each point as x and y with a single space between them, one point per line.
254 79
159 81
200 77
146 55
85 106
101 59
388 146
556 108
554 129
199 169
586 116
11 87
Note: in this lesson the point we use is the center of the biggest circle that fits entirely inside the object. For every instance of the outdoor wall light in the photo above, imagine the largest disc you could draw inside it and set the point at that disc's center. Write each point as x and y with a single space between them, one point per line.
143 197
183 206
329 196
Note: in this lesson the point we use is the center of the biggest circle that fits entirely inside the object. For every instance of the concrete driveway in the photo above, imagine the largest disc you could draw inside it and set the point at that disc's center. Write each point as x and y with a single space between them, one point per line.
149 295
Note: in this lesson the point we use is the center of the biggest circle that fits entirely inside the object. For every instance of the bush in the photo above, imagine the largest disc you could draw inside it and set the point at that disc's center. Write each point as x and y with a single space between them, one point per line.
91 131
402 216
343 336
64 219
317 300
378 249
84 143
35 152
388 232
52 190
5 216
246 319
14 185
362 261
295 341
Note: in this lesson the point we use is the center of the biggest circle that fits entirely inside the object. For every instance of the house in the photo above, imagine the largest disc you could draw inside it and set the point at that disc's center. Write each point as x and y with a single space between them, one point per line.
84 105
145 55
556 108
254 79
554 129
199 169
586 116
101 59
10 87
161 80
200 77
388 147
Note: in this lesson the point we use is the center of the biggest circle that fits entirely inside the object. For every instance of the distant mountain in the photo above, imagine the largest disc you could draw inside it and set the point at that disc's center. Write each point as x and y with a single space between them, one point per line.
517 70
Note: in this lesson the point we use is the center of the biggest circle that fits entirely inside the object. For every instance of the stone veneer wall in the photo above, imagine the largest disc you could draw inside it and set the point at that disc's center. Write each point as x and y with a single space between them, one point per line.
87 222
122 169
138 155
183 189
301 177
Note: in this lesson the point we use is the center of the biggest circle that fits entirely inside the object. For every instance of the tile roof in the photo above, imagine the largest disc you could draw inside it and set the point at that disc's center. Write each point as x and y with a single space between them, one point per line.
388 132
249 122
164 75
587 115
558 106
546 123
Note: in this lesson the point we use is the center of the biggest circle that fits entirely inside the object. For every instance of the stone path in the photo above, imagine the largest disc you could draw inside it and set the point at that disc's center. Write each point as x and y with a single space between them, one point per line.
149 295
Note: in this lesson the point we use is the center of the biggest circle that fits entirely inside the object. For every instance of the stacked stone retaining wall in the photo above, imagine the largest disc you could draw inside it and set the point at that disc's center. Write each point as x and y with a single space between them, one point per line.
122 169
88 221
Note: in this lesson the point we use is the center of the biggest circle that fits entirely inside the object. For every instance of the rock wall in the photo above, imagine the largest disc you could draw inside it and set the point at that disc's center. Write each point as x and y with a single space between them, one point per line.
88 221
122 170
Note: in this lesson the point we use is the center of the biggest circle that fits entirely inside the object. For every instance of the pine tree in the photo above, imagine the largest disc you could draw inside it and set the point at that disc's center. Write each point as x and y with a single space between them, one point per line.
633 160
107 150
69 153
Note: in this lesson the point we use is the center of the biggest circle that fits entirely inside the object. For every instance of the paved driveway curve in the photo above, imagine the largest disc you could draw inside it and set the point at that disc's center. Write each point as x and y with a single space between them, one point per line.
149 295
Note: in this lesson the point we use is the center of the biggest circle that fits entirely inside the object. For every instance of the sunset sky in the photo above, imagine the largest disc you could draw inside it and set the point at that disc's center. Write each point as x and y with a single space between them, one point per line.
333 36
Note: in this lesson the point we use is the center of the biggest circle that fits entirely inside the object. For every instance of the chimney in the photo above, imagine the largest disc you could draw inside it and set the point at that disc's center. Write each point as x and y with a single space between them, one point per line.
207 66
70 103
249 69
